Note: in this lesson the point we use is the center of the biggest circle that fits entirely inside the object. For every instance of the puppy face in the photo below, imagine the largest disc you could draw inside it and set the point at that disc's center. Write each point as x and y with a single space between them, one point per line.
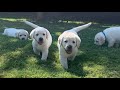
69 42
39 34
23 35
99 39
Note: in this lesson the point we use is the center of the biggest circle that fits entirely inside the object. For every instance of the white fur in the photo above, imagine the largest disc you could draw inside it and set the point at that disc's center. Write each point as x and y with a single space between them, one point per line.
112 37
43 46
13 32
66 39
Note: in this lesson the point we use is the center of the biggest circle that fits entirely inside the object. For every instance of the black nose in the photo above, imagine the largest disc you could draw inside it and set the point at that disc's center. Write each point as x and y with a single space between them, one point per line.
40 39
69 47
23 38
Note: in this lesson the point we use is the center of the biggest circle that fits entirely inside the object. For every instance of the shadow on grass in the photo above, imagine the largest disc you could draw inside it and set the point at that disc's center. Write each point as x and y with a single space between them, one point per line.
14 51
76 66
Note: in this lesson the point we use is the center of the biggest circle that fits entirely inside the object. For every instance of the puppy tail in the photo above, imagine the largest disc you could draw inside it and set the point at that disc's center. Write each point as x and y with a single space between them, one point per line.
79 28
31 24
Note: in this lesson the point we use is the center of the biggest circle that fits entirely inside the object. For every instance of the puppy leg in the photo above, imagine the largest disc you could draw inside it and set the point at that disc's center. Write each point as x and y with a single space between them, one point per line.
111 43
44 55
63 62
36 51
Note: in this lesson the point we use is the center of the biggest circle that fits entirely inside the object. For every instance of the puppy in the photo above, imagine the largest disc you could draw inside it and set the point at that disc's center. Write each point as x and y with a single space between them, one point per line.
68 44
42 40
111 35
13 32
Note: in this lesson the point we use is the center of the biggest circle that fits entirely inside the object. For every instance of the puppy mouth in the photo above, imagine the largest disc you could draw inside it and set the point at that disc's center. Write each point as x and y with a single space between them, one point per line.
69 51
40 42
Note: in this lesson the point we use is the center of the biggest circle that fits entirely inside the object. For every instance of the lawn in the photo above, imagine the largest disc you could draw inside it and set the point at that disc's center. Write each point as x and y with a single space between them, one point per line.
17 59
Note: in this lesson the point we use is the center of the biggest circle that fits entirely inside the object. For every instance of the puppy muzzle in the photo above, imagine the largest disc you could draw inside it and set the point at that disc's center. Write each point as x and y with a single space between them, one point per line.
40 41
23 39
68 49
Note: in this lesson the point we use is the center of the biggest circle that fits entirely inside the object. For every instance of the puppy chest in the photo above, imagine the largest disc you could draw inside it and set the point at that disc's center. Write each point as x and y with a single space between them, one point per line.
40 47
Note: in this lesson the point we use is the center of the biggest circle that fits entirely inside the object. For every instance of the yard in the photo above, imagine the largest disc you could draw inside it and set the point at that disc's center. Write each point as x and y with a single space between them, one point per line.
17 59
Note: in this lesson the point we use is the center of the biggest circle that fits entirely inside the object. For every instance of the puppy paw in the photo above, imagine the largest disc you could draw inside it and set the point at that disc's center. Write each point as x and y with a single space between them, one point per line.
65 67
44 59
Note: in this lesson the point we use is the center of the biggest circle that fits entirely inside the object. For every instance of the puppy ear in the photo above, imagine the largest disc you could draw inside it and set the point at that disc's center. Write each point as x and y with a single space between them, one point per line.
32 34
60 40
102 40
17 34
47 34
78 41
27 35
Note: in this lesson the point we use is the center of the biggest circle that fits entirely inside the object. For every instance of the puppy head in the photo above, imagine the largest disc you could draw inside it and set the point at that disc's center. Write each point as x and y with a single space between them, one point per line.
69 41
23 34
40 34
99 39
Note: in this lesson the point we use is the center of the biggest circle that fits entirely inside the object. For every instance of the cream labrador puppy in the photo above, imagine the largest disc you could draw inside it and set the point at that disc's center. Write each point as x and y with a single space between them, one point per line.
68 44
111 35
13 32
42 40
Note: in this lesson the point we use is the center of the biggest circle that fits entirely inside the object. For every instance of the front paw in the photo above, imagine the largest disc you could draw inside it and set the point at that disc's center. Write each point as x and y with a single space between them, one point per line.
44 59
65 67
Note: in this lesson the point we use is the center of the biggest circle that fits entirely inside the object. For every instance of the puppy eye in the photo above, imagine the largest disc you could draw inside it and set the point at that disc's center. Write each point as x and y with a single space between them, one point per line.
73 41
43 34
36 34
66 41
20 35
24 35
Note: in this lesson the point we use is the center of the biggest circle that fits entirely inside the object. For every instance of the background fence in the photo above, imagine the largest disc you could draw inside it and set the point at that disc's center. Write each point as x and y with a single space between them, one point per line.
102 17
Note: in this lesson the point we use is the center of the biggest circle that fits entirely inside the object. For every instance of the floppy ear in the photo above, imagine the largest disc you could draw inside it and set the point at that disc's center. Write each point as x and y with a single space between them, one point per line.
78 41
17 34
32 34
102 40
60 40
47 34
27 35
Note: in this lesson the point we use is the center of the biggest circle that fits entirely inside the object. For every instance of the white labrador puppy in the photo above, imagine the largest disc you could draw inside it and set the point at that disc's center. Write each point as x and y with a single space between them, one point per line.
68 44
13 32
111 35
42 40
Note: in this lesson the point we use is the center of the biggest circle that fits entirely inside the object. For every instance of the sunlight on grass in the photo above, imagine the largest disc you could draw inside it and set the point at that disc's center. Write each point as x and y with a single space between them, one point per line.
75 22
10 74
12 19
95 71
32 60
58 33
110 26
80 52
66 75
13 54
13 39
55 43
2 59
113 74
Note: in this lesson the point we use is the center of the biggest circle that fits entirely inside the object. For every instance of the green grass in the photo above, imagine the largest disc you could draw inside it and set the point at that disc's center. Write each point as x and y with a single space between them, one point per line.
17 59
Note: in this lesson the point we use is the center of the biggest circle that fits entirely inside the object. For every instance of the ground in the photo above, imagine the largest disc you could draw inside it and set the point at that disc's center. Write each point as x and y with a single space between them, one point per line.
17 59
